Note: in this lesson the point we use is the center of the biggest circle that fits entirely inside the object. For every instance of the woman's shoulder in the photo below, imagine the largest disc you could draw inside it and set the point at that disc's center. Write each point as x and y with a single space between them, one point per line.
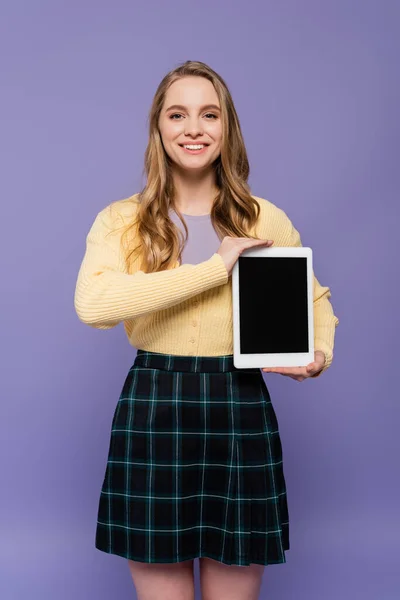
267 207
124 208
271 214
119 212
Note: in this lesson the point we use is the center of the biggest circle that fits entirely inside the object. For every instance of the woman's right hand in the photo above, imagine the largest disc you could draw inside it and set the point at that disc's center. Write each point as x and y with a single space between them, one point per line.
232 247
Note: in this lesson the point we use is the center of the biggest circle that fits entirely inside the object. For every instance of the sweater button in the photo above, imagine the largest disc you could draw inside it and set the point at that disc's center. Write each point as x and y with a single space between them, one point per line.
192 340
196 303
194 323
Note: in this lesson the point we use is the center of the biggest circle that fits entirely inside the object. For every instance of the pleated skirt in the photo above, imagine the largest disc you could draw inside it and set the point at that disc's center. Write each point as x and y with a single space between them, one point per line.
194 465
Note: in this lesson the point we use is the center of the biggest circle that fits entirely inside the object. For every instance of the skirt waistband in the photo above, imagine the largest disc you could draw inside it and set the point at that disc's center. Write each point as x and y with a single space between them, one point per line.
194 364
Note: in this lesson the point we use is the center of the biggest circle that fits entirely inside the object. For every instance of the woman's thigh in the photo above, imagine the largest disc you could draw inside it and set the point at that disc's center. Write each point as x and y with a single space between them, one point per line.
229 582
163 581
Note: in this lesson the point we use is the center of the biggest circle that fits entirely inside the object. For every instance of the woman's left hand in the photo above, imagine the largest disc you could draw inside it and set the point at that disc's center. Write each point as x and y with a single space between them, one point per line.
300 373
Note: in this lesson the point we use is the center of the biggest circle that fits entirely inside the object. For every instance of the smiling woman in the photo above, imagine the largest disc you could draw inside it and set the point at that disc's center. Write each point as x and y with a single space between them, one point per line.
194 467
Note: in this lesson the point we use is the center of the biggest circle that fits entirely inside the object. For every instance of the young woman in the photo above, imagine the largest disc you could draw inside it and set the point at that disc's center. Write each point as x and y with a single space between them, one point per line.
194 466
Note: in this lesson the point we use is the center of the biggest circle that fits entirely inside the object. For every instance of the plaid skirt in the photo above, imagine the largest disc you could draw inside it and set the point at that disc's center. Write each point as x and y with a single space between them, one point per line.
194 465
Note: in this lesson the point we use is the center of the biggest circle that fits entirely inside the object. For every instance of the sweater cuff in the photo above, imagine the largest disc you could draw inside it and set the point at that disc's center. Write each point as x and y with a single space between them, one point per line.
322 347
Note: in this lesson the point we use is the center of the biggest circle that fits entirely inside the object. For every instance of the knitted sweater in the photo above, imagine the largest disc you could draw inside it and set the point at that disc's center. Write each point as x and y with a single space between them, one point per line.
187 309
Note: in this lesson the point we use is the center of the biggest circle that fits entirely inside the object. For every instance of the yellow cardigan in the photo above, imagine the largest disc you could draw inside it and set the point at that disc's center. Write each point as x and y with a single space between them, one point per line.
187 309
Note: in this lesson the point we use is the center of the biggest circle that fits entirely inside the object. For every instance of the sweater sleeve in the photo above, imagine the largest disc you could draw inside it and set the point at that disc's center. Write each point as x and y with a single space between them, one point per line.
325 321
105 294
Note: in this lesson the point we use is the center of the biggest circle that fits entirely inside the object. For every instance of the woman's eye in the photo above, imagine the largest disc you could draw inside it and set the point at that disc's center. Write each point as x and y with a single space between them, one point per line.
179 115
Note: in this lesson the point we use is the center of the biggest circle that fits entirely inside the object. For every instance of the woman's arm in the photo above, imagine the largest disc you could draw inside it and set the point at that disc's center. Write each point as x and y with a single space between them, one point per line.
284 233
105 295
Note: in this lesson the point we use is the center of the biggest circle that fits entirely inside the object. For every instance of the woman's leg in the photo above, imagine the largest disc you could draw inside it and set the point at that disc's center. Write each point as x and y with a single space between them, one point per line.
163 581
229 582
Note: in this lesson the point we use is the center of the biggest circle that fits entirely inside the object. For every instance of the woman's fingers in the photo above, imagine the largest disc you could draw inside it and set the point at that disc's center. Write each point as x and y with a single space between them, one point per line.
297 373
286 370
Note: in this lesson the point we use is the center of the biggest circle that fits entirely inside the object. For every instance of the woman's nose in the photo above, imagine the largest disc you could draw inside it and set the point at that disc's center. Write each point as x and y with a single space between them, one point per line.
193 126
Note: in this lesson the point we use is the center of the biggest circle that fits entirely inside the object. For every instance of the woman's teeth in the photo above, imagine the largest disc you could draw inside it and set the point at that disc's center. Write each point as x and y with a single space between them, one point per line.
194 147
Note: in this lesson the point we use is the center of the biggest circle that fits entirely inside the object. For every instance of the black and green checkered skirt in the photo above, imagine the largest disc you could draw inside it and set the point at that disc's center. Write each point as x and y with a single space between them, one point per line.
194 465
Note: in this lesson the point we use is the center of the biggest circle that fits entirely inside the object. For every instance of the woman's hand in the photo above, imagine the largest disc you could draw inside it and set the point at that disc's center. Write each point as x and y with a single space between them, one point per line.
232 247
300 373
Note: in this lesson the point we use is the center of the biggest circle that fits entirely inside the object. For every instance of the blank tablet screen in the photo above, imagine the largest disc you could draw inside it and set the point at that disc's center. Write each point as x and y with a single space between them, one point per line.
273 306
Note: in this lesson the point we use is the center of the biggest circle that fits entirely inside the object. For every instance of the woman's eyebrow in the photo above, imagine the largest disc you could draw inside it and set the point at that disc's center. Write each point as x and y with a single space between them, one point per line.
181 107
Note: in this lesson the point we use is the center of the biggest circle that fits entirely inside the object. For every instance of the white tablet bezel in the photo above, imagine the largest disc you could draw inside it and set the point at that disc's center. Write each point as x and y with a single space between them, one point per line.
292 359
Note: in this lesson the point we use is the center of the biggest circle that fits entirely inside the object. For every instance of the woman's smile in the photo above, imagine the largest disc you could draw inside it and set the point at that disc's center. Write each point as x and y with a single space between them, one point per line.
194 148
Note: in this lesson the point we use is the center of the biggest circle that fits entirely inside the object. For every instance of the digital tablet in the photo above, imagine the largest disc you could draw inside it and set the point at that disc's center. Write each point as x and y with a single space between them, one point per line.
273 316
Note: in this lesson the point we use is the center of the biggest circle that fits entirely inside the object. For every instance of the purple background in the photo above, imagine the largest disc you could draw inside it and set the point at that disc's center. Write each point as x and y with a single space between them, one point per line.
316 86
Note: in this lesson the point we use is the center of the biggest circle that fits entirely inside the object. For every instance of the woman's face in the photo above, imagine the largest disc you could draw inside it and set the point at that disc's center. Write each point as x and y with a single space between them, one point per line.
191 115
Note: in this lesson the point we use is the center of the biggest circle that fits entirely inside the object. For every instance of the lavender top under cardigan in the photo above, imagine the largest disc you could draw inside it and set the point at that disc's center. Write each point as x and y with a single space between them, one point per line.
202 240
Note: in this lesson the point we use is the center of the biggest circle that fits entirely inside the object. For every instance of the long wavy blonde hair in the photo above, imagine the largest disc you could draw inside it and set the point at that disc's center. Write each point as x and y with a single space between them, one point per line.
234 210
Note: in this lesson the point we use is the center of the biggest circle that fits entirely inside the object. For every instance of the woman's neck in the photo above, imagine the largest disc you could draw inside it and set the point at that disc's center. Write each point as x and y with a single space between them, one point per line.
195 196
